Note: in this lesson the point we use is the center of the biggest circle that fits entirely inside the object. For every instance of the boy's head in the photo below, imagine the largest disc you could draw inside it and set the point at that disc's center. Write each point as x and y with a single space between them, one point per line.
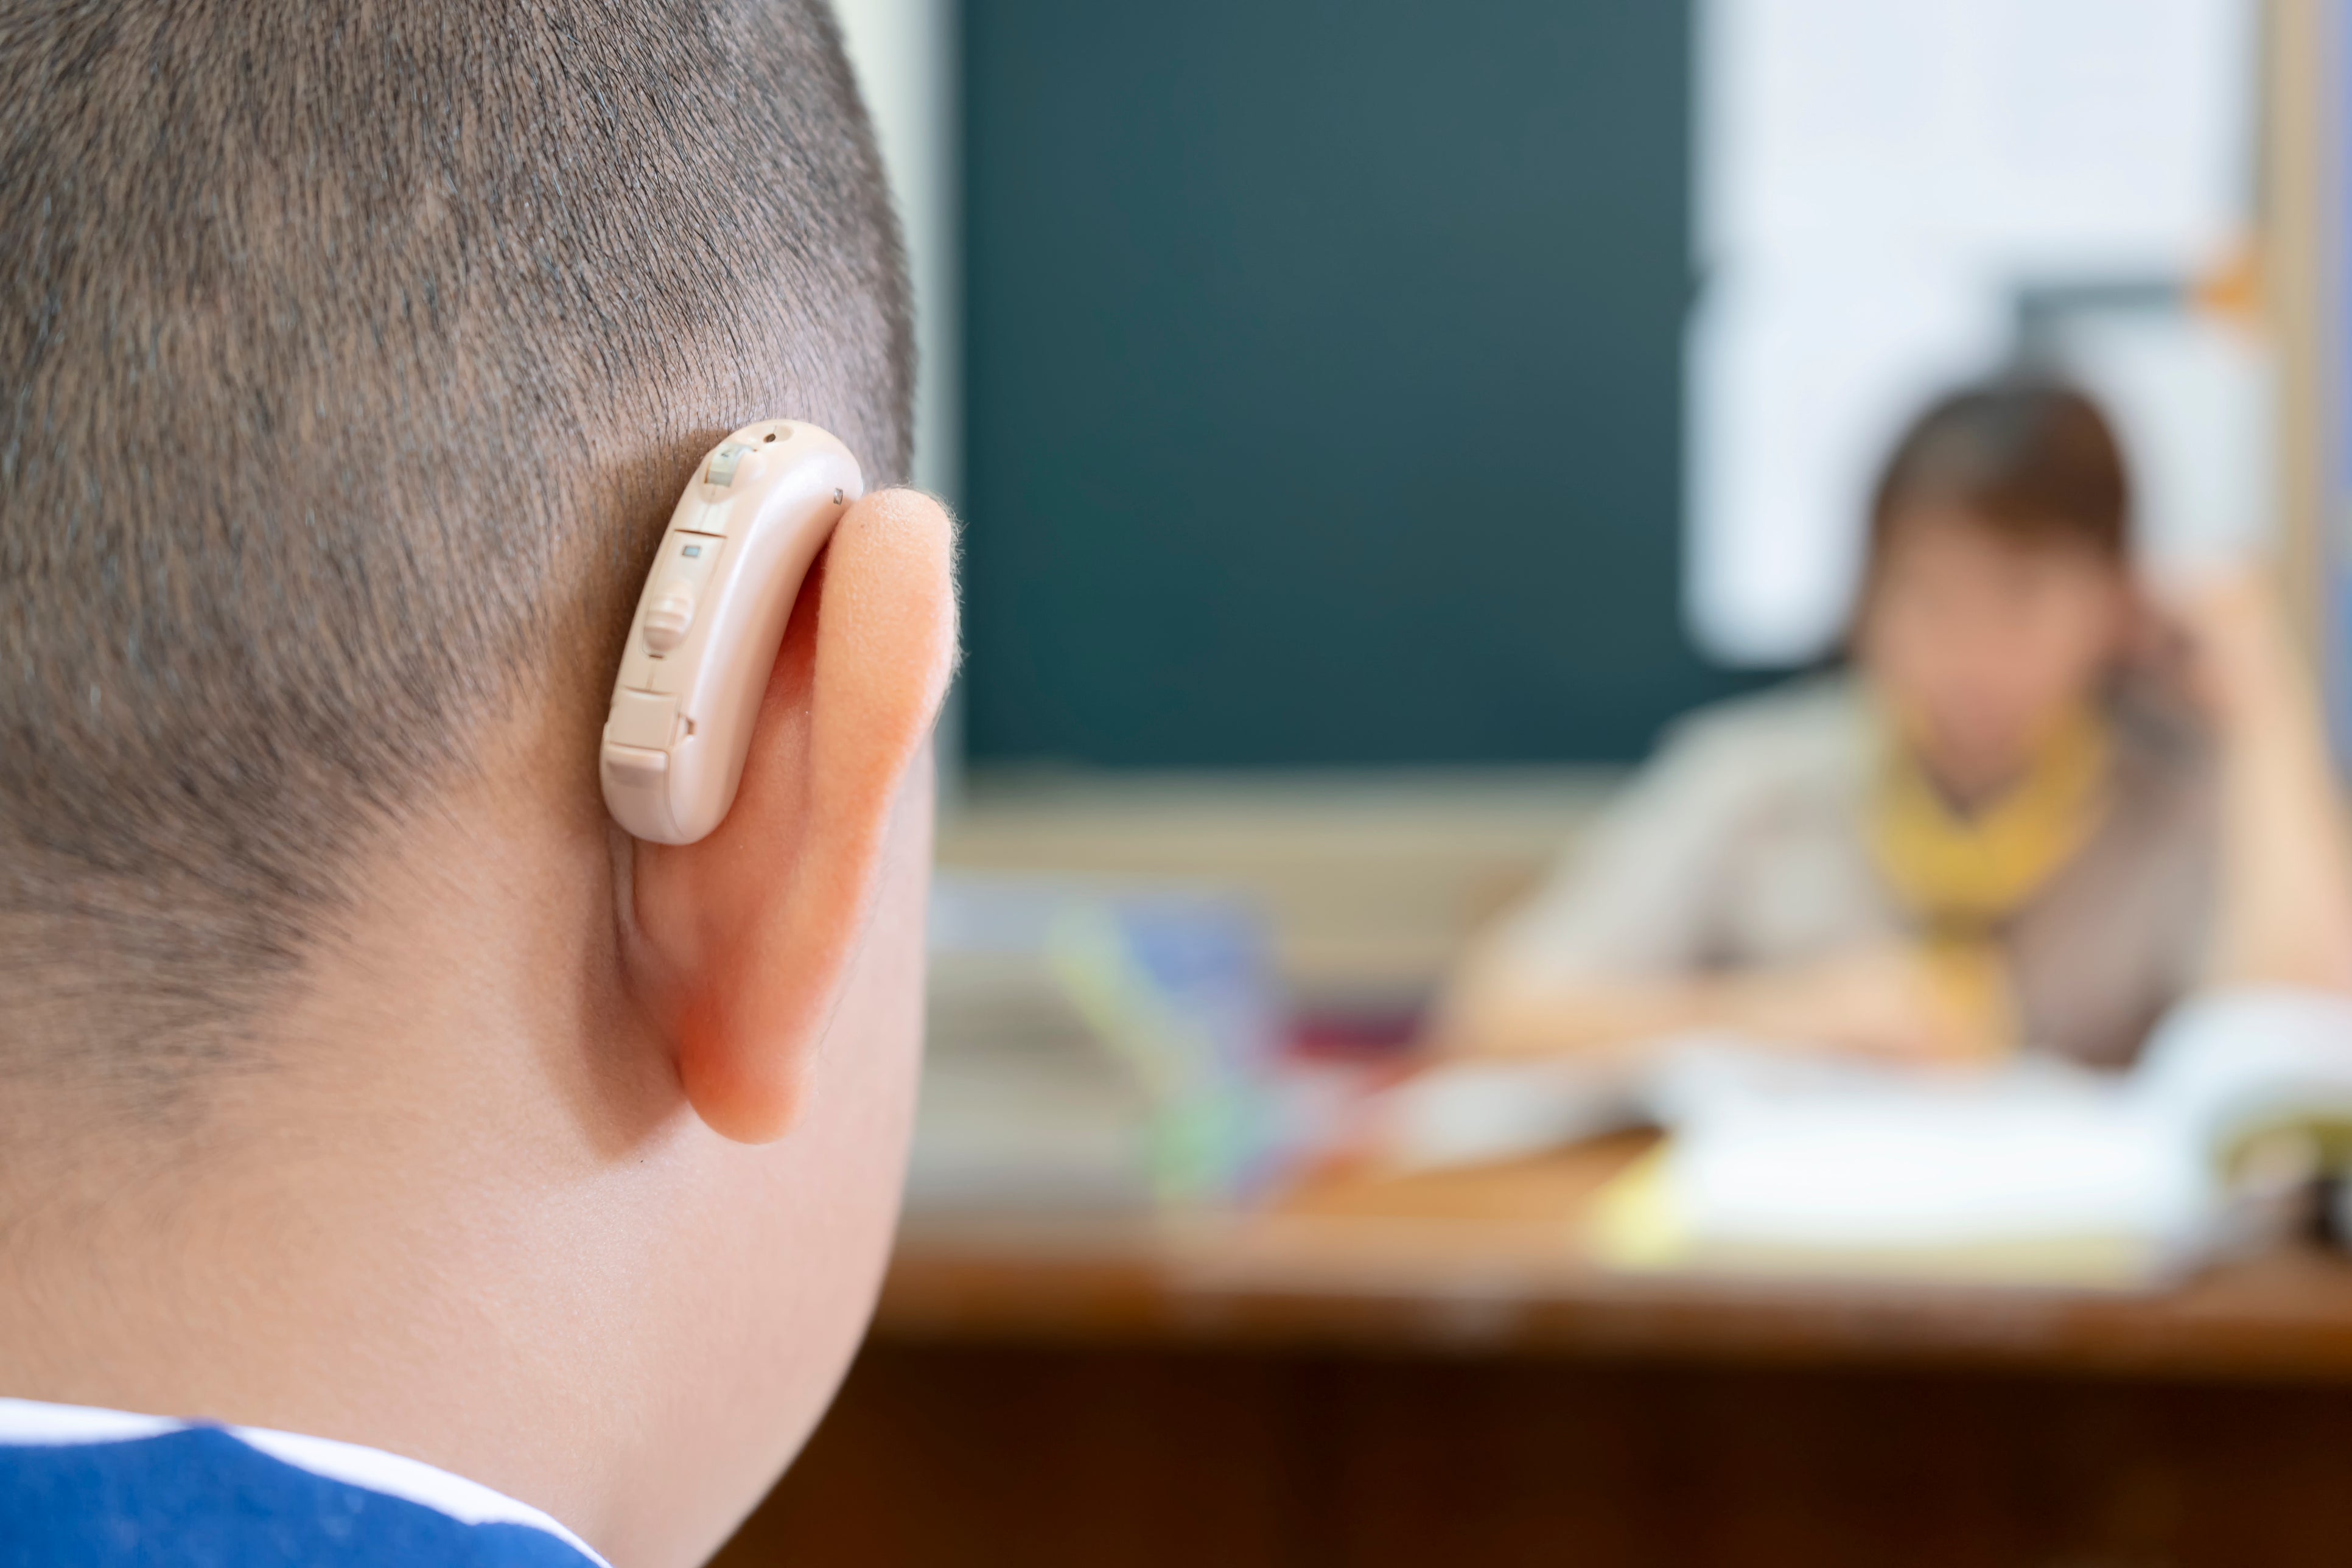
353 357
1996 594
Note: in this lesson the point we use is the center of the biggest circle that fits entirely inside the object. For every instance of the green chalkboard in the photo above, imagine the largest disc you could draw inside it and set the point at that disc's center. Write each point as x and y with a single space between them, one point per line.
1324 380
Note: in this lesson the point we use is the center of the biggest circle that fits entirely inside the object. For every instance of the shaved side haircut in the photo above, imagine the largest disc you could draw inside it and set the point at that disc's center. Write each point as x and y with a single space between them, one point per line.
352 355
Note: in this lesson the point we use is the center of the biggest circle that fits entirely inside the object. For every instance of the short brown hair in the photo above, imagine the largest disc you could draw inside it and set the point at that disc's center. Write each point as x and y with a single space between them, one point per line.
2032 459
298 305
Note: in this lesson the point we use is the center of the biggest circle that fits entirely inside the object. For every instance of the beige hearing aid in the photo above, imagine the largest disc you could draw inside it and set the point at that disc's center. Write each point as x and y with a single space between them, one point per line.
710 622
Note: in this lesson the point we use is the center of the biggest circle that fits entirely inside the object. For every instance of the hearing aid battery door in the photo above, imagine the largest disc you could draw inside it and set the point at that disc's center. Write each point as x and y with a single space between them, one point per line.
707 624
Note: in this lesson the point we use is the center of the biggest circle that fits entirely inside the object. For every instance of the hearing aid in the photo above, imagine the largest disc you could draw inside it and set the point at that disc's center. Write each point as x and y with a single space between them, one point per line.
759 507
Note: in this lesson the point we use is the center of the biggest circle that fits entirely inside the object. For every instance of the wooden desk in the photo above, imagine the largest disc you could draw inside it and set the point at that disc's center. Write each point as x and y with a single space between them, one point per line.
1491 1260
1427 1370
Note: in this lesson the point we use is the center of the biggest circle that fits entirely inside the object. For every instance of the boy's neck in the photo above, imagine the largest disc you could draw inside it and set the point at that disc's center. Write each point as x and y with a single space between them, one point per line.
461 1208
364 1235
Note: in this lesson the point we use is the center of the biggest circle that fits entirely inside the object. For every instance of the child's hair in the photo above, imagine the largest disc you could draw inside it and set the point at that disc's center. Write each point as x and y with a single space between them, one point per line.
2032 459
351 357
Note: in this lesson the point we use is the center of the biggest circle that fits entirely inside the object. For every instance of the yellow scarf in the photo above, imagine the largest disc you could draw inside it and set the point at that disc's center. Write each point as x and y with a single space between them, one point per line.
1962 875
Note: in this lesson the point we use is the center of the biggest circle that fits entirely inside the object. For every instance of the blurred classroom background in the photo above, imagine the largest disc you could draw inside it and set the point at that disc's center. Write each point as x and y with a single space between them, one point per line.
1375 425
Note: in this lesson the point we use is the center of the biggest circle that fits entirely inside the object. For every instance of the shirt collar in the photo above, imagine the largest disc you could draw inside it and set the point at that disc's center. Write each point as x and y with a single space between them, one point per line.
31 1423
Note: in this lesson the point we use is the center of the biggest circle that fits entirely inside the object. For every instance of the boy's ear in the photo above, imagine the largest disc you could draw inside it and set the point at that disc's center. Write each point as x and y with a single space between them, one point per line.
737 946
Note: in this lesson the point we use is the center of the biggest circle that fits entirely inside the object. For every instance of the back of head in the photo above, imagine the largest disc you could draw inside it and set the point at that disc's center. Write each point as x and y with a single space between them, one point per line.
353 356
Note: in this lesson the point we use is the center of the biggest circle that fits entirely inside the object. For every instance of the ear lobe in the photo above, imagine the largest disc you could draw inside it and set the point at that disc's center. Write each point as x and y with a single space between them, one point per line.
740 943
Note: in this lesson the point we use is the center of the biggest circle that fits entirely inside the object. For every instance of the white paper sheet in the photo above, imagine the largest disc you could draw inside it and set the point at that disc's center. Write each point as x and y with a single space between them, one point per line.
2063 138
1878 180
1800 380
2192 402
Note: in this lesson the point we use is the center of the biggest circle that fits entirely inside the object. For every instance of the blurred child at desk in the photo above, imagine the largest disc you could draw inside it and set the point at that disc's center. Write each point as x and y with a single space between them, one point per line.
2032 814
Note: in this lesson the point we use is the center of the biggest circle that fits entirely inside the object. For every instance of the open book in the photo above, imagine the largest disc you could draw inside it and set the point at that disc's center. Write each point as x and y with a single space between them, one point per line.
2035 1173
